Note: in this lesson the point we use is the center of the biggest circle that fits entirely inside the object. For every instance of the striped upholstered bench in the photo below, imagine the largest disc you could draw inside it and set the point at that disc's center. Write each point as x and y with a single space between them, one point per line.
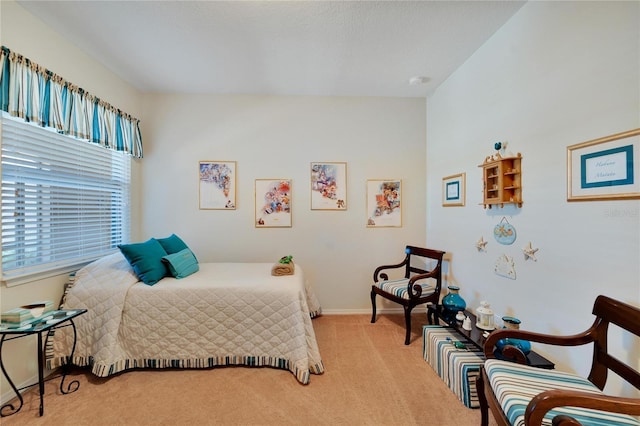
515 385
458 368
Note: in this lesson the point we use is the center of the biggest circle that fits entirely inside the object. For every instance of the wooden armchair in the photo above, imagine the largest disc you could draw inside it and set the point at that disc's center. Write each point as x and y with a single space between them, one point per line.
418 286
523 395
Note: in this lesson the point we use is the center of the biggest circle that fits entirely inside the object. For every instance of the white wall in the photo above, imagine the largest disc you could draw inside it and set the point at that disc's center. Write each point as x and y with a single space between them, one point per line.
23 33
268 137
557 74
278 137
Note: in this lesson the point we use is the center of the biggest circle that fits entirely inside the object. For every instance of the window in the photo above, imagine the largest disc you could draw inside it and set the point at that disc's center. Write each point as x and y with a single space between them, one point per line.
65 201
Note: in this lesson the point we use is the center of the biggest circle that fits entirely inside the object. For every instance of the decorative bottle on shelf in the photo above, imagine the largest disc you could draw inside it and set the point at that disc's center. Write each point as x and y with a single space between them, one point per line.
513 324
452 303
484 316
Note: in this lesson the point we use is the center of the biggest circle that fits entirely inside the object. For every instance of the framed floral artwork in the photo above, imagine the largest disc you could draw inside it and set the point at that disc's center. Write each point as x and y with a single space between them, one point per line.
217 185
328 186
384 203
453 190
273 203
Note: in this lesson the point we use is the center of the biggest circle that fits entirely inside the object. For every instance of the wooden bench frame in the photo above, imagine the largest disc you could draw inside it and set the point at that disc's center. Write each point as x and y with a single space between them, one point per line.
607 311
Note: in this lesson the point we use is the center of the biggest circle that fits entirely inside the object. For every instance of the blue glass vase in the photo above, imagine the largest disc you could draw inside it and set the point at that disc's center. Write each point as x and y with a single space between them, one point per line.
513 324
452 303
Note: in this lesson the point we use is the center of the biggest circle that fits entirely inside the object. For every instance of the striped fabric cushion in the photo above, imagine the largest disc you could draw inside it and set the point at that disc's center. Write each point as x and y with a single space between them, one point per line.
464 369
515 385
48 350
458 368
67 286
399 287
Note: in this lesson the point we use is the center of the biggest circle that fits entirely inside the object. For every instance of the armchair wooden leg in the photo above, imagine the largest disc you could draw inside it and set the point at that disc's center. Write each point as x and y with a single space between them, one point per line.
373 306
407 321
482 399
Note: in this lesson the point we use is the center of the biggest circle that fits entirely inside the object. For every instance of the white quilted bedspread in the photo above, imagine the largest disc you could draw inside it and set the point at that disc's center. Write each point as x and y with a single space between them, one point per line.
225 314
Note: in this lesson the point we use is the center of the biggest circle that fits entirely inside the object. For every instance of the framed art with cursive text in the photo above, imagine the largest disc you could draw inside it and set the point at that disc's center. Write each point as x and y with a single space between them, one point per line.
606 168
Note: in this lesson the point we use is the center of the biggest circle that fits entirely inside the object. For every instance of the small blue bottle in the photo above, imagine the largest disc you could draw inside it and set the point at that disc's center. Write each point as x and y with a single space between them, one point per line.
513 324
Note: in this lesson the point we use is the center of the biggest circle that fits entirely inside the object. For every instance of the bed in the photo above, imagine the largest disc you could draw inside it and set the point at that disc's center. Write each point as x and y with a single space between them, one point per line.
224 314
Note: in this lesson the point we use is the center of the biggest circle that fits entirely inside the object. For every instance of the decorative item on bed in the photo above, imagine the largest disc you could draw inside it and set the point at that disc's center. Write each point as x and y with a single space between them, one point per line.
153 305
284 266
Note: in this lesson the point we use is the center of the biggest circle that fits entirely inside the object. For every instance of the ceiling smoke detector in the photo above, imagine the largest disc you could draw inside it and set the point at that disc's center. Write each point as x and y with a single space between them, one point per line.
416 81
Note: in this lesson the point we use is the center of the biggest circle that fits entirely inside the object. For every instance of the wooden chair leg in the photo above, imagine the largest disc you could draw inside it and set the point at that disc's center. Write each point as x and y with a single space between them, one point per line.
373 306
482 399
407 321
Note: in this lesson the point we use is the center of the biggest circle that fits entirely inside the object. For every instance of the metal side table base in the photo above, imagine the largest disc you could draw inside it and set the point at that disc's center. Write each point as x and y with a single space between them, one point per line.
51 321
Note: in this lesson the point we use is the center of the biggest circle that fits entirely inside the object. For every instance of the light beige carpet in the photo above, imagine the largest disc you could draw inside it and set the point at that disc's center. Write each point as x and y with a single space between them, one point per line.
371 378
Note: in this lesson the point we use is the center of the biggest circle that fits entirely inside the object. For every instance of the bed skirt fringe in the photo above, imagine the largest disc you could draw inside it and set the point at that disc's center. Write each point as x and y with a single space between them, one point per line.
303 376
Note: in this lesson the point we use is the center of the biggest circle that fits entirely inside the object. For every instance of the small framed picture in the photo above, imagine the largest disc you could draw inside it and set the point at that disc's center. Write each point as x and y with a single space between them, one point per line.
328 186
273 203
453 190
607 168
384 203
217 185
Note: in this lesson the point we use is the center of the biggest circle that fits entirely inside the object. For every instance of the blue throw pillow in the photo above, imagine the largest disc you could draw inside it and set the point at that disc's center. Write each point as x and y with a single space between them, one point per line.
172 244
181 264
146 260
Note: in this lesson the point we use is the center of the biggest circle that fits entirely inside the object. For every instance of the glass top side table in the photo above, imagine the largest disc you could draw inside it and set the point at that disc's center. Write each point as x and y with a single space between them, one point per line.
41 326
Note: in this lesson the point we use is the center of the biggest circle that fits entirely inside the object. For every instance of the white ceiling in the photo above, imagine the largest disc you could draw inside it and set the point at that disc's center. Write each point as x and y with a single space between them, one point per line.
335 48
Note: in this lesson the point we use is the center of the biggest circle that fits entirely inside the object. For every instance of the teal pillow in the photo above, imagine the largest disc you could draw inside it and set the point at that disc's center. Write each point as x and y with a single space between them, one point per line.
172 244
181 264
146 260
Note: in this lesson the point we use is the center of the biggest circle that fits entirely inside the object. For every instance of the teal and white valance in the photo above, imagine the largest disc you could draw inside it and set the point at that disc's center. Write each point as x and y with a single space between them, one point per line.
35 94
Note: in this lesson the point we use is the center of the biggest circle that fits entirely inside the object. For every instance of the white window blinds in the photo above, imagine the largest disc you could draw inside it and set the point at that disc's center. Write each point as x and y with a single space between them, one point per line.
65 201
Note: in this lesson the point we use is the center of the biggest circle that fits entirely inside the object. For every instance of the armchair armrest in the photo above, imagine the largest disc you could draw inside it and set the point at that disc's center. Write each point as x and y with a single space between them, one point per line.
377 275
572 340
416 291
545 401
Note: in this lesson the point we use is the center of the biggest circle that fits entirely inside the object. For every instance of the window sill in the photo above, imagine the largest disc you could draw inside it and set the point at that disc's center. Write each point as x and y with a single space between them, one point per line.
26 279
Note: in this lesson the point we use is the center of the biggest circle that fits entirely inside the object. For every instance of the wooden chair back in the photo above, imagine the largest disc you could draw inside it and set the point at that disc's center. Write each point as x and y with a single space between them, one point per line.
611 311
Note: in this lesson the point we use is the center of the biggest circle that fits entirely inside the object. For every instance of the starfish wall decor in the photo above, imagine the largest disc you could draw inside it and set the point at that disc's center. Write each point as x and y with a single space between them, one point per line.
530 252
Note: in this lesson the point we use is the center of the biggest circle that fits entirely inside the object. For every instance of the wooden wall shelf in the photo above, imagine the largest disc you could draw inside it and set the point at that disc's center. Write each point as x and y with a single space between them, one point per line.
502 180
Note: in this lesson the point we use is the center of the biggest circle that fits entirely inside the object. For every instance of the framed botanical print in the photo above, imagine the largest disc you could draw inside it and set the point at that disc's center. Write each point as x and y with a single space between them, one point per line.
328 186
273 203
217 185
384 203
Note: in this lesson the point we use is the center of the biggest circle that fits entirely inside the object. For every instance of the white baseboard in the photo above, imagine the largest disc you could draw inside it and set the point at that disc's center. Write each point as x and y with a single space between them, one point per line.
362 311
